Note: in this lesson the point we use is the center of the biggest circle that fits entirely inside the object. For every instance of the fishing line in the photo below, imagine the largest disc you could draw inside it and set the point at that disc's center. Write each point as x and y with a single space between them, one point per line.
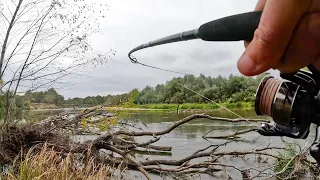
212 101
134 60
232 28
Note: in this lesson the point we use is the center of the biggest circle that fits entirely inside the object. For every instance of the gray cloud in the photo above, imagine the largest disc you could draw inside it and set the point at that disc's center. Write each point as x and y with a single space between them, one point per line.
130 23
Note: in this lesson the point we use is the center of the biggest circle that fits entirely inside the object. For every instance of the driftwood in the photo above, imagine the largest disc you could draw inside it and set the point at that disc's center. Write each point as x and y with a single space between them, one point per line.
123 143
230 136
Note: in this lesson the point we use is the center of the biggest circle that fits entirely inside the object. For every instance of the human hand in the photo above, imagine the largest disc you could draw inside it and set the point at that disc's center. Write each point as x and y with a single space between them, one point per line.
287 39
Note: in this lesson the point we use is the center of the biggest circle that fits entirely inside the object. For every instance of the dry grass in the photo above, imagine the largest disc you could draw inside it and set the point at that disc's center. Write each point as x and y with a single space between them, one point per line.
48 164
25 137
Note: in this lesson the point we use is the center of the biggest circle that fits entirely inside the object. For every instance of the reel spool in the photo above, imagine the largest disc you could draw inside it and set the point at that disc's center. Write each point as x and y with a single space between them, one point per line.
287 103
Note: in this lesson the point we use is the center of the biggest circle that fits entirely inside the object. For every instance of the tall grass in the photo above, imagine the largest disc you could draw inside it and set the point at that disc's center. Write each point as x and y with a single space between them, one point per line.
50 165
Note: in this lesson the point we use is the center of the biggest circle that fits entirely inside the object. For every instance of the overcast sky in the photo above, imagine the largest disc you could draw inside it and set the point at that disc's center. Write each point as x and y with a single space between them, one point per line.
129 23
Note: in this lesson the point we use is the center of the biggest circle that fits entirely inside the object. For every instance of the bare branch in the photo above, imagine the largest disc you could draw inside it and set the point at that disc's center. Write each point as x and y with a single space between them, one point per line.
185 120
4 17
30 51
231 136
4 46
131 159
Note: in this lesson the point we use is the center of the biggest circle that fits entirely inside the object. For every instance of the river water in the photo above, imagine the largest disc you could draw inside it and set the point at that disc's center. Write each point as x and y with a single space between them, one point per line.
187 138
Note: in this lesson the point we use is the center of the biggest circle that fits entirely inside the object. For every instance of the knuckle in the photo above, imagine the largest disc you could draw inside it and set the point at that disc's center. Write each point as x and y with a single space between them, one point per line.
267 38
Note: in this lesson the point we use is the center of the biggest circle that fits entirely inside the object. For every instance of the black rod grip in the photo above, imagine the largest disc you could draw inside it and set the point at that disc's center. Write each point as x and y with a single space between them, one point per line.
232 28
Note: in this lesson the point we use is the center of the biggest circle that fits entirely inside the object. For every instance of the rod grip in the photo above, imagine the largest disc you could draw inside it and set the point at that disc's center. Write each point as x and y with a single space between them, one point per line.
232 28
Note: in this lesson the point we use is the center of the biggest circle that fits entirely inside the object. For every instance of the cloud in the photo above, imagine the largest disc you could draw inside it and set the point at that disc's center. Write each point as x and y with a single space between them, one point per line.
130 23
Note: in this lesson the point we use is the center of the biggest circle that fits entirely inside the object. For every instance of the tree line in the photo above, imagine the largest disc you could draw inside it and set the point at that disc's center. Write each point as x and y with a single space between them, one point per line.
220 89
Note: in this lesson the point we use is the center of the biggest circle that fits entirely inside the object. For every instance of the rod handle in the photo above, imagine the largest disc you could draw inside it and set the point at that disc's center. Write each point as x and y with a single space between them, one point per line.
232 28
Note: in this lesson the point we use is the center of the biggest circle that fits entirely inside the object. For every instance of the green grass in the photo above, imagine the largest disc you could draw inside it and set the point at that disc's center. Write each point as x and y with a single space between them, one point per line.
285 161
187 106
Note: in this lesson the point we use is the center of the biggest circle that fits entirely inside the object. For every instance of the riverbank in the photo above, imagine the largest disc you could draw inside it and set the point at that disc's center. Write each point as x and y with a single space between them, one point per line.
35 106
142 107
189 106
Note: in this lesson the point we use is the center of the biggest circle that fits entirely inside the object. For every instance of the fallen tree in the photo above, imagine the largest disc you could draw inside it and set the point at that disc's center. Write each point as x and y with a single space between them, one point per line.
118 145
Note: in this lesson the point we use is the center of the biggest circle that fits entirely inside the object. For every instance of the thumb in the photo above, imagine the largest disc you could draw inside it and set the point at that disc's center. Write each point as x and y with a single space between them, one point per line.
276 27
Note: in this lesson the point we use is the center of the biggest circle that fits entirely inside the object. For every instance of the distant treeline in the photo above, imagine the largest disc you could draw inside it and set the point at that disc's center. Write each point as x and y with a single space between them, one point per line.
220 89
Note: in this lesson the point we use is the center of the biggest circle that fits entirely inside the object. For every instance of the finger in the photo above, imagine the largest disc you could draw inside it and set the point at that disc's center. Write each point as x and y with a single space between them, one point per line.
277 24
259 7
305 44
246 43
316 63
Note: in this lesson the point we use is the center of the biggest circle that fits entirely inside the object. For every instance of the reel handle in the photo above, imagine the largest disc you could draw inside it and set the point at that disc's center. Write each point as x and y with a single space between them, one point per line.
315 147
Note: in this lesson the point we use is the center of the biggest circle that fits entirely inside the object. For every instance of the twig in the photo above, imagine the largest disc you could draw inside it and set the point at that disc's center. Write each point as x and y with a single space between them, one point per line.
127 156
231 136
179 162
146 145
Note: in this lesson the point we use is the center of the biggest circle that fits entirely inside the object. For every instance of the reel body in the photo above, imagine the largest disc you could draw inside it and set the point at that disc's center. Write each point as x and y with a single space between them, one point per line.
293 103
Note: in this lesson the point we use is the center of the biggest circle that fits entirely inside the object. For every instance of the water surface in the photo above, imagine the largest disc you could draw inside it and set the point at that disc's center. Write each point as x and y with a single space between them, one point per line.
188 138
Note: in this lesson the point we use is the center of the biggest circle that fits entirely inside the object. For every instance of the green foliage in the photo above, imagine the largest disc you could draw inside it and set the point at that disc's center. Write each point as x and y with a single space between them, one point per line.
12 107
124 115
50 97
286 161
236 91
103 124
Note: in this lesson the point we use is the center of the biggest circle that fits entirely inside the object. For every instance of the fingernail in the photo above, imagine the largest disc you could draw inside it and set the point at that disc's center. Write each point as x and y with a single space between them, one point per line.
248 65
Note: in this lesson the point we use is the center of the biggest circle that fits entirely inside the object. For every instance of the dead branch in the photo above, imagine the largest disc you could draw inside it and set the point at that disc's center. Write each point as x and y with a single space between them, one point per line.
183 121
181 161
124 144
127 156
151 152
231 136
4 45
147 145
117 144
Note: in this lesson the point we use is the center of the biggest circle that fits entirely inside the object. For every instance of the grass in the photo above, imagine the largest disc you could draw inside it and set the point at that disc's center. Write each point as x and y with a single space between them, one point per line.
290 163
285 162
187 106
50 165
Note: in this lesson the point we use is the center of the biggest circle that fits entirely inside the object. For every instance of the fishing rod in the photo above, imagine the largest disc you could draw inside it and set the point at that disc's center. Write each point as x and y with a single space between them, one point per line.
232 28
291 101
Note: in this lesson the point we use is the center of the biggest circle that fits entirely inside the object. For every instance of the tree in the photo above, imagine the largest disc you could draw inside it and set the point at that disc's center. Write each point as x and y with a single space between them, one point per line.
44 41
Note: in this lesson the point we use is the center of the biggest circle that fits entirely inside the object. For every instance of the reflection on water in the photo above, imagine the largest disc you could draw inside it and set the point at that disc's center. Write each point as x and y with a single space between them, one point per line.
165 116
187 138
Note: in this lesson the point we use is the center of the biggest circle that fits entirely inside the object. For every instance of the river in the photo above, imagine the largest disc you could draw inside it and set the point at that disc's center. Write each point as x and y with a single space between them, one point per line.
187 138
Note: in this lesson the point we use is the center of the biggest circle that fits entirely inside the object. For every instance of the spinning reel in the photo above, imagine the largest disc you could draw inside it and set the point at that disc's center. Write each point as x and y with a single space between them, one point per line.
293 103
